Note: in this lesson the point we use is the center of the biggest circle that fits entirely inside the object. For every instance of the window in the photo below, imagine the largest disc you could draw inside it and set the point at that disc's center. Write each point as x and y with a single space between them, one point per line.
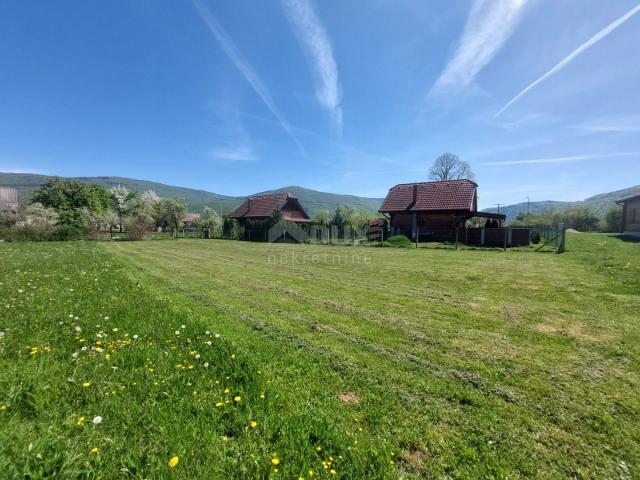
633 215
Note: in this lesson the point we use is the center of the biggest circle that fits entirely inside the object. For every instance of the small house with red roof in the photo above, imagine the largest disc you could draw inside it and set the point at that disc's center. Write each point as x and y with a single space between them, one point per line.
434 209
262 207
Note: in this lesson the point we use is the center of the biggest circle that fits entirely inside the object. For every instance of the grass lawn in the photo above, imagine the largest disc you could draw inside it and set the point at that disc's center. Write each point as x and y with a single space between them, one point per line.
278 361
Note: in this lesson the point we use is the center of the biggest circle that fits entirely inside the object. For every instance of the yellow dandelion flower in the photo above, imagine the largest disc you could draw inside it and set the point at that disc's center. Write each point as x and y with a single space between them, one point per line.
253 424
225 439
173 462
332 472
275 460
86 384
237 398
94 450
233 355
219 404
3 408
318 449
226 390
262 396
80 421
311 473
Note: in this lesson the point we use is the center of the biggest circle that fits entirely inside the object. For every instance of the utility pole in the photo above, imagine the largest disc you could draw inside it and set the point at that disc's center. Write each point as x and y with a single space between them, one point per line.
498 204
528 203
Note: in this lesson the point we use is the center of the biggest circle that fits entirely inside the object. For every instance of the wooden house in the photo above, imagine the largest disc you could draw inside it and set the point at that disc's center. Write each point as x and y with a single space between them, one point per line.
630 215
8 199
434 210
262 207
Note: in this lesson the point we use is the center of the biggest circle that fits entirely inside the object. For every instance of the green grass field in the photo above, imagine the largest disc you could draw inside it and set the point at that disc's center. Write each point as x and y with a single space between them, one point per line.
276 361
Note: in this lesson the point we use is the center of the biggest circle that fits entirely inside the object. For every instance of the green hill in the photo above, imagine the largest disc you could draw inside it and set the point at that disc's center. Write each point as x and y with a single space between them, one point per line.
598 203
196 200
313 200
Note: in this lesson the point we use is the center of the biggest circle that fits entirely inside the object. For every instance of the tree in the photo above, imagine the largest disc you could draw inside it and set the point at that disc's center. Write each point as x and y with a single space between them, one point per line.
39 216
350 219
120 195
210 220
449 167
68 197
613 219
322 217
150 197
172 212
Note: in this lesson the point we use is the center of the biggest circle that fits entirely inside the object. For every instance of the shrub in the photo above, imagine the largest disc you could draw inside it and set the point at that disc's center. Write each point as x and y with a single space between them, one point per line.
398 241
67 232
137 228
39 233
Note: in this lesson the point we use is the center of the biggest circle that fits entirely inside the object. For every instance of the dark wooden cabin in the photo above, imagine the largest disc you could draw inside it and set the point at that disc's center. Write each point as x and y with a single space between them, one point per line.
434 210
261 207
630 215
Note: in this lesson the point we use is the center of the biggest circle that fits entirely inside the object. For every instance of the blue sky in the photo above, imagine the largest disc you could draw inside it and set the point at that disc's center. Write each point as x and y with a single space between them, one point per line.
242 96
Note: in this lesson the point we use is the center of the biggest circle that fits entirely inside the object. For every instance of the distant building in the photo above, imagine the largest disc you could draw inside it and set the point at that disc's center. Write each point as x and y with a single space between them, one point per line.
630 215
8 199
190 219
434 210
261 207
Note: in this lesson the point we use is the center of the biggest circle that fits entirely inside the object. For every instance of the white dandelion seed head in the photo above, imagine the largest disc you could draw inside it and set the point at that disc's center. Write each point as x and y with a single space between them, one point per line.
207 332
217 335
71 315
197 356
97 420
78 329
106 318
76 318
84 349
183 326
177 332
74 354
209 343
1 334
99 335
135 337
206 364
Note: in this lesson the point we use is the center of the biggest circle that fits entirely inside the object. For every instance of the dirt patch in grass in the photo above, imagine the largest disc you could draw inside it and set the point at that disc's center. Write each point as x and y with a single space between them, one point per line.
414 459
576 330
545 328
349 398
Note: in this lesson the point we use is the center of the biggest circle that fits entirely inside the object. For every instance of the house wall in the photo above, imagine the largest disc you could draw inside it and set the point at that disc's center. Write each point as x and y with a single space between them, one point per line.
631 215
8 199
402 223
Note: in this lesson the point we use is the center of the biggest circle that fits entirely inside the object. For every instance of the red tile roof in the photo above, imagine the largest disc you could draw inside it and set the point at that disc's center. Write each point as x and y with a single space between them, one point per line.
262 206
431 196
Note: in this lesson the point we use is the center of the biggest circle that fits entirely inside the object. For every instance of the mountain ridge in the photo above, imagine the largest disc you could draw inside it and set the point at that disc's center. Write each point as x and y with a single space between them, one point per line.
312 200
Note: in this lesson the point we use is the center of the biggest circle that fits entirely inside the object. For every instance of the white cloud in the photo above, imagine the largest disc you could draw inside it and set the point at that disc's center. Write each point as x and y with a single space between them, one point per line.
315 42
489 25
569 58
237 153
241 63
571 158
618 124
